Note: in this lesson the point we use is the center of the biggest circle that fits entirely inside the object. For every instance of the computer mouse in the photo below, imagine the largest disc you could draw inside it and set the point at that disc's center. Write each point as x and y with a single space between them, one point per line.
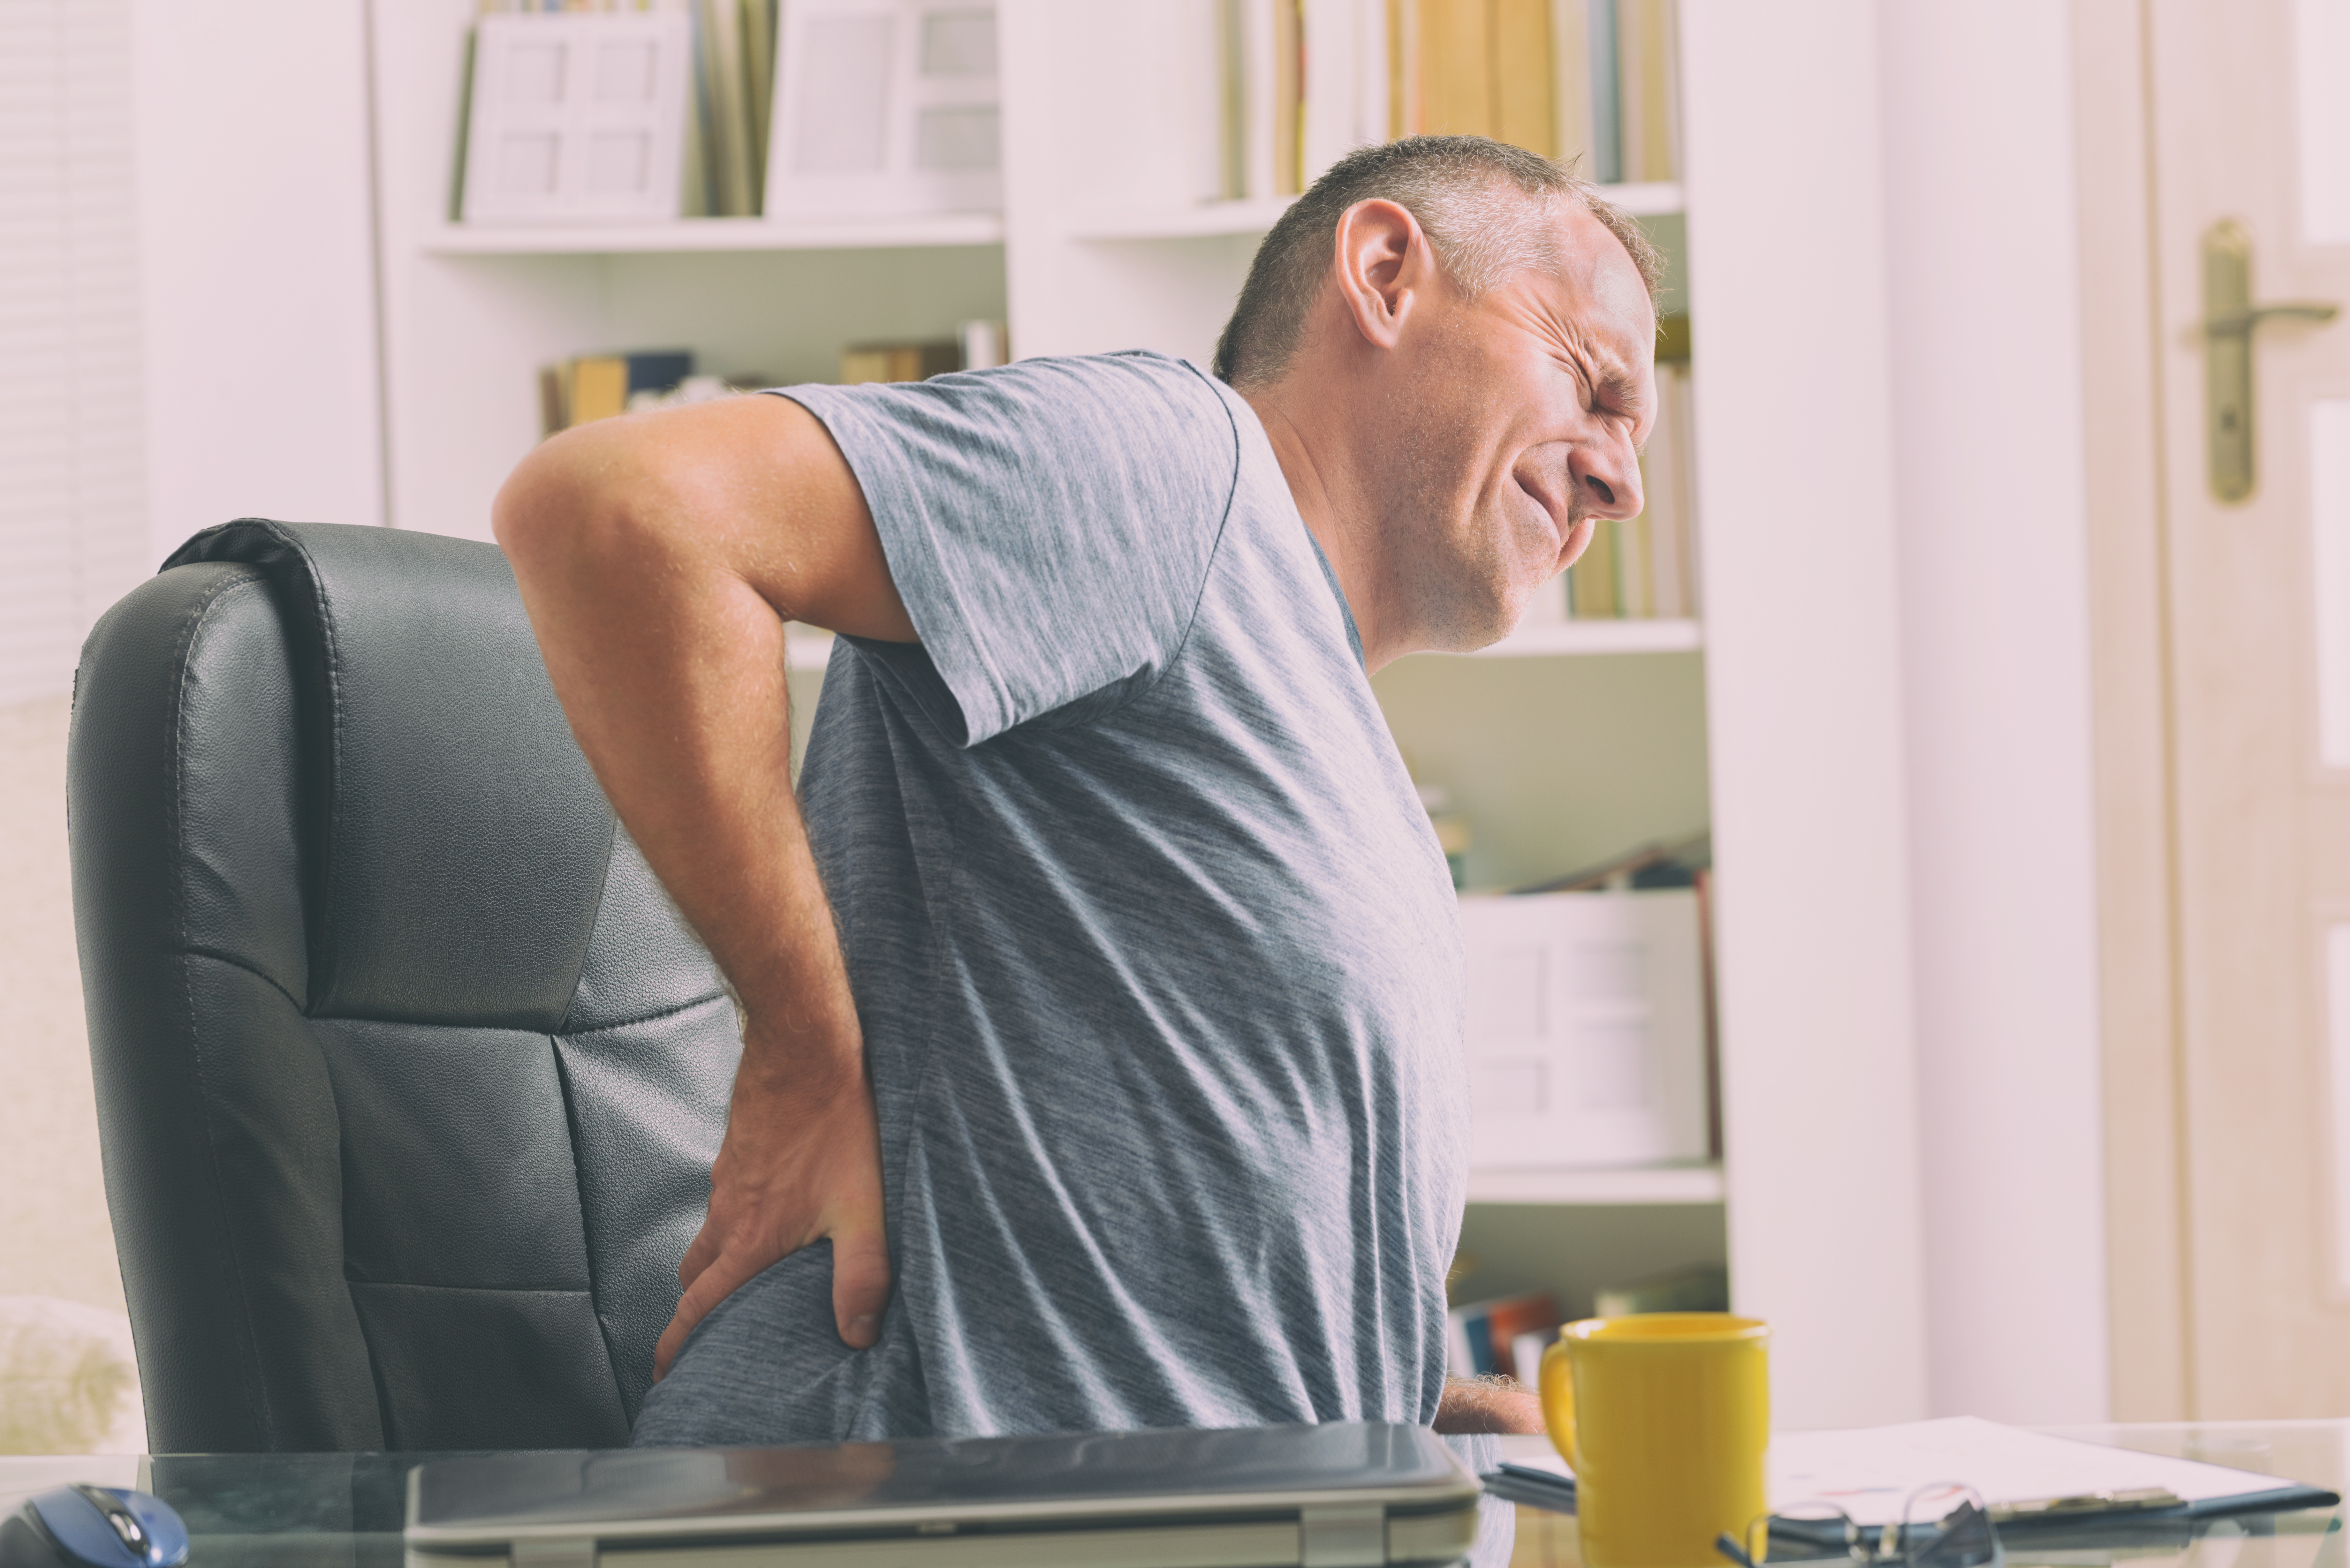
93 1526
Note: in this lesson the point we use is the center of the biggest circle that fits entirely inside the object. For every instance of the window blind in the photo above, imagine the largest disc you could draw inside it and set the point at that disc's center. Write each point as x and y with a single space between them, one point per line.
73 526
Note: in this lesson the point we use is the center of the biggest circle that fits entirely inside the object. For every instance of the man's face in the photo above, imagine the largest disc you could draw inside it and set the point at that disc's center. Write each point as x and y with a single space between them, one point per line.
1516 424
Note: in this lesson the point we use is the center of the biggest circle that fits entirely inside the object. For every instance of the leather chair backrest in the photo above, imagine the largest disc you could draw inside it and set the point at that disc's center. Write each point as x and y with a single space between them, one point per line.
408 1077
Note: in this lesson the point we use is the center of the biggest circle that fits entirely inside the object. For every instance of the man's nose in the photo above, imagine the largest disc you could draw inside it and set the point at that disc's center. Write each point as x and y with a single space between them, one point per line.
1610 478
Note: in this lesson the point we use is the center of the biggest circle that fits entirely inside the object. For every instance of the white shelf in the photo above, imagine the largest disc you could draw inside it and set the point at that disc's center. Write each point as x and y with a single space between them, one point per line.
719 234
1556 639
1638 1184
1256 215
1657 199
1209 218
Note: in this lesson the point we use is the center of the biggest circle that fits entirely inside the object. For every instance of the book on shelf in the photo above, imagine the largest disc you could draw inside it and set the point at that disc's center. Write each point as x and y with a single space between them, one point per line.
862 362
729 36
1483 1336
1476 68
1301 84
1647 74
1590 79
593 387
976 346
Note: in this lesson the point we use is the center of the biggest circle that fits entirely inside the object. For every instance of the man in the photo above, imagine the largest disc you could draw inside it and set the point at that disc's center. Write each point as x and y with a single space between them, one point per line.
1102 986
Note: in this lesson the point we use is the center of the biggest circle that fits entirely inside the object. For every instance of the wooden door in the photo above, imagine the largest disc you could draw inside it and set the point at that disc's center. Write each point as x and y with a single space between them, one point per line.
2258 653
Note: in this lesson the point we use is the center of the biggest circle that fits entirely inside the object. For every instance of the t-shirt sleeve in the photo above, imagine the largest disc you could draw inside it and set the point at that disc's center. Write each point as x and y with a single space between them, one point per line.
1048 524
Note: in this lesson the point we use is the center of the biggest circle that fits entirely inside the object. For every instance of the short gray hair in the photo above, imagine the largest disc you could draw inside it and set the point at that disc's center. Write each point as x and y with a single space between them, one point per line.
1488 209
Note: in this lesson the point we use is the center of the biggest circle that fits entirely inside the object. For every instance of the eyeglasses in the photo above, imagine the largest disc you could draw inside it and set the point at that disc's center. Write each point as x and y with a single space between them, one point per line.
1945 1525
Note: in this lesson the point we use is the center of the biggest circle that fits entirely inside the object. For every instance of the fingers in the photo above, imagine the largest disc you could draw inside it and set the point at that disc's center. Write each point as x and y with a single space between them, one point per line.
698 1256
712 1285
860 1283
672 1339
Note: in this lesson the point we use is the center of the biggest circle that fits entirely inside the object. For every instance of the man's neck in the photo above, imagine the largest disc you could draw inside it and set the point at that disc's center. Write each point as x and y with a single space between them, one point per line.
1339 519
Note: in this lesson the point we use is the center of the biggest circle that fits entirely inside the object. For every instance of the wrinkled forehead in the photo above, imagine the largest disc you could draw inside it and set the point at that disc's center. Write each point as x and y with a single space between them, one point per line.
1601 282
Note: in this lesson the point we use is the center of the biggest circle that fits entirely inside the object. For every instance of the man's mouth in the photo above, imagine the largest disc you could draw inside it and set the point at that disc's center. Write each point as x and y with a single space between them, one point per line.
1578 539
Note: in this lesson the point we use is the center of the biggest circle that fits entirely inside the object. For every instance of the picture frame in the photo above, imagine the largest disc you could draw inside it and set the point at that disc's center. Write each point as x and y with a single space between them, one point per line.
578 118
885 106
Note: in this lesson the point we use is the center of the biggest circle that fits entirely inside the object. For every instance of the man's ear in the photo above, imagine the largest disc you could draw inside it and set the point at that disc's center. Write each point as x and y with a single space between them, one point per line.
1384 265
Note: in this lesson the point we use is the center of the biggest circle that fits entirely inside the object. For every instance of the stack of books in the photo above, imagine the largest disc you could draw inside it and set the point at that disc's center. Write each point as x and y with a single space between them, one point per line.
1503 1337
597 386
1305 81
976 346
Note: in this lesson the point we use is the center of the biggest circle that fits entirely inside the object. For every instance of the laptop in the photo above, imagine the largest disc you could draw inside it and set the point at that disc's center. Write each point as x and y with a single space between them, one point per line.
1260 1496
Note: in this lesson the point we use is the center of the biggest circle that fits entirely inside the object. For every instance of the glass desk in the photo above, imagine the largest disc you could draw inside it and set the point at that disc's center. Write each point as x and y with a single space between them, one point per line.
345 1510
2312 1452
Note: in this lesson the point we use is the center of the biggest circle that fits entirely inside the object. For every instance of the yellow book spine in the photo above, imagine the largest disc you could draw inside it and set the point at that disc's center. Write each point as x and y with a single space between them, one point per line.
1288 97
1524 110
858 366
1456 64
599 388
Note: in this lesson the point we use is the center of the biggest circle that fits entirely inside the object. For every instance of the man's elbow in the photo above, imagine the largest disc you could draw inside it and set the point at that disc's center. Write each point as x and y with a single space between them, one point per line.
569 507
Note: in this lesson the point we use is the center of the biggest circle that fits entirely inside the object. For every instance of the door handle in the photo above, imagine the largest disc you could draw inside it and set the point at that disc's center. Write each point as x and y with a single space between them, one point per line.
2229 317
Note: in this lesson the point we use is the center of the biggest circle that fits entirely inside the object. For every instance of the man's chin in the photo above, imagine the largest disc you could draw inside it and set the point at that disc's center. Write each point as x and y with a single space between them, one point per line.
1470 628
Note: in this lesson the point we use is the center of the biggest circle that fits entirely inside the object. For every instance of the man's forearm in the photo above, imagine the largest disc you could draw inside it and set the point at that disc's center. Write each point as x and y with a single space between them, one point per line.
1497 1405
657 570
647 571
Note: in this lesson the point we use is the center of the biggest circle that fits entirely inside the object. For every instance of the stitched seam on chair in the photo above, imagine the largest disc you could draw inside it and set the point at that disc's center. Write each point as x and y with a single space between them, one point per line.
234 962
375 1366
587 1230
176 795
647 1018
475 1290
603 890
332 671
509 1028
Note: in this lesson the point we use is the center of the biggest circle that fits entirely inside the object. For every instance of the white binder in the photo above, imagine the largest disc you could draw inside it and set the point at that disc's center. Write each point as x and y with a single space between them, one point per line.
1585 1029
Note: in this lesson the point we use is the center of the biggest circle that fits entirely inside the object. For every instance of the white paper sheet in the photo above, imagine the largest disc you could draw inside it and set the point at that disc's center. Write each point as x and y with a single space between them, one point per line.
1870 1471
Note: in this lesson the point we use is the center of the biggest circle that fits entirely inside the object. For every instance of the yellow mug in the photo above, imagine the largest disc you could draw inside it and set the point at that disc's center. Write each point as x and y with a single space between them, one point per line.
1664 1417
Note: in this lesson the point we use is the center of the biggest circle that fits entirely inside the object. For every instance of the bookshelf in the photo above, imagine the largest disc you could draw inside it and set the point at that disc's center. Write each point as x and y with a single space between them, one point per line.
1688 1184
1778 721
1568 637
1192 221
717 234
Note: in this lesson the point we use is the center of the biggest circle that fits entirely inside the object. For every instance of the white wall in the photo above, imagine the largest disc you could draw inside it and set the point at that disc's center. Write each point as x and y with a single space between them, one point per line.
1979 217
1787 281
56 1239
256 225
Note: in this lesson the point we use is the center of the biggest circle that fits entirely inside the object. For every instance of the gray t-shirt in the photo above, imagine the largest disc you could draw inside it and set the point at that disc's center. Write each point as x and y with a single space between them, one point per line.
1155 955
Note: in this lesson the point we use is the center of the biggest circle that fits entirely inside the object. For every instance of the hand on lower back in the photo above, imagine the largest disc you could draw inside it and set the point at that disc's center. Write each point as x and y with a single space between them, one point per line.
801 1163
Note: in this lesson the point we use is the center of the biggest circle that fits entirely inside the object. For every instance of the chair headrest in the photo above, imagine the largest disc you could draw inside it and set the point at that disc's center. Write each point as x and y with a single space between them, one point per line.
457 843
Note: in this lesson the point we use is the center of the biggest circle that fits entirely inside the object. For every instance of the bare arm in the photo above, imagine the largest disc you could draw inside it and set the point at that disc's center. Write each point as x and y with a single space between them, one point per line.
659 556
1488 1405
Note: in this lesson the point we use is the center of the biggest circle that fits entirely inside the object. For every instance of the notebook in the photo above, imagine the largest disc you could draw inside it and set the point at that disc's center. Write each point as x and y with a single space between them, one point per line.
1340 1492
2029 1481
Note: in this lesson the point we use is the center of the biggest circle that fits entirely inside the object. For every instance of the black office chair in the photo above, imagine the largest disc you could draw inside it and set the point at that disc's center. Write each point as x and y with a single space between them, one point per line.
408 1077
